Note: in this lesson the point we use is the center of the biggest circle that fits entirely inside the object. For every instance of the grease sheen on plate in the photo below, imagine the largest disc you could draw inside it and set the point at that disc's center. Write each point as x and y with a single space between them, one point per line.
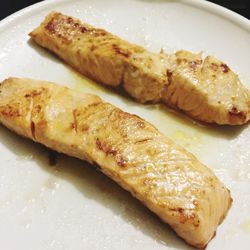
72 206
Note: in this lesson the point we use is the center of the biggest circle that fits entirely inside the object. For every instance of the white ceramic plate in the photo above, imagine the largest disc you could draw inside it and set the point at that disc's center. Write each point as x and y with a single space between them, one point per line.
72 206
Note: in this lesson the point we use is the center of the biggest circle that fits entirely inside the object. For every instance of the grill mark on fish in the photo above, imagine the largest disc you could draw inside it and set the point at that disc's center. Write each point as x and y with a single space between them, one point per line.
105 148
234 112
120 51
225 68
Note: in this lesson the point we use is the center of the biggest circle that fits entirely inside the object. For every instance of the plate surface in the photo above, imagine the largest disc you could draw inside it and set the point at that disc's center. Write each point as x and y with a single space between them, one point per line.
71 205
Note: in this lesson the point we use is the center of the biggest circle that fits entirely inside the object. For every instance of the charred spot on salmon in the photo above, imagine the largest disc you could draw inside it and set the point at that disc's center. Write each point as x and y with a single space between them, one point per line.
234 112
169 76
121 51
51 27
72 125
193 64
69 20
105 148
177 209
34 93
182 216
84 127
33 129
121 162
83 29
53 156
224 67
214 66
98 32
10 111
76 25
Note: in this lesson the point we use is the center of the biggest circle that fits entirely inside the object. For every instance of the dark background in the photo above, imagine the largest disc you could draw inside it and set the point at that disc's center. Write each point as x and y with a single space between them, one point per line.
10 6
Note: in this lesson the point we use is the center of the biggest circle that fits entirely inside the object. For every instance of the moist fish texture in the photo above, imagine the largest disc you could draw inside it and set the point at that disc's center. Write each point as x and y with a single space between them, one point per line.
166 178
205 89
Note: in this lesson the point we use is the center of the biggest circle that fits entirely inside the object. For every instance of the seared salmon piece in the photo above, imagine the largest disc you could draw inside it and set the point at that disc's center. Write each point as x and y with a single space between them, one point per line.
166 178
207 90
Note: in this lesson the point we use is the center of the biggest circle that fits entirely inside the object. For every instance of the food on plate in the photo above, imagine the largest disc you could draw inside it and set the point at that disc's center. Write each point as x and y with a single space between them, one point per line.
170 181
205 89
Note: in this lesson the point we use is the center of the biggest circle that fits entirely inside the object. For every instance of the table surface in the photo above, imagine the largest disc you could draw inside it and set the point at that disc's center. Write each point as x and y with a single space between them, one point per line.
240 6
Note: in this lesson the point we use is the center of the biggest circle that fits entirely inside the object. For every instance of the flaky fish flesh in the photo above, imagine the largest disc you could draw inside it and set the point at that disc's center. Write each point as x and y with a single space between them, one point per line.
207 90
166 178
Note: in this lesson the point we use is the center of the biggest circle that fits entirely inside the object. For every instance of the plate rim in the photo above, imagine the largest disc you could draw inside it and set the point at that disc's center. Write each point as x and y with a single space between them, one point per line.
206 6
221 11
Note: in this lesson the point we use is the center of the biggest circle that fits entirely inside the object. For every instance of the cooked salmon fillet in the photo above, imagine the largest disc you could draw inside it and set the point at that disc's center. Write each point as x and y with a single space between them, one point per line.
207 90
166 178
